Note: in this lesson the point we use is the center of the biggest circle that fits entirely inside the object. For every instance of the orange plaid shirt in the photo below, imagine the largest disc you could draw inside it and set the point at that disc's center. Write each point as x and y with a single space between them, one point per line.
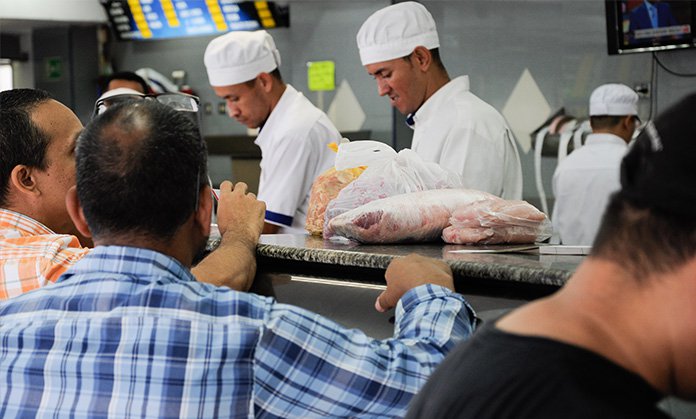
31 255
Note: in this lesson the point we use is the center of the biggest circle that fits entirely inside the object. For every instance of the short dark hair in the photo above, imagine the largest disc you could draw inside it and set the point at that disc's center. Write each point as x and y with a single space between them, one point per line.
126 75
140 165
644 240
437 60
605 121
21 141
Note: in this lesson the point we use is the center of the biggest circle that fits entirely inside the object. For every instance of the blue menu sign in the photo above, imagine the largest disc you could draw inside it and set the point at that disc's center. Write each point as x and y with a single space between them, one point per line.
161 19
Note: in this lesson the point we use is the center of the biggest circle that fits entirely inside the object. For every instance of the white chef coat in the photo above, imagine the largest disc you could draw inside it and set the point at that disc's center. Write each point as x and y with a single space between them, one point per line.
294 151
582 184
462 133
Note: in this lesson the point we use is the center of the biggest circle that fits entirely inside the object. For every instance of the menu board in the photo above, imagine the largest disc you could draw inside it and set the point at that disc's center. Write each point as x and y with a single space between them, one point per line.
162 19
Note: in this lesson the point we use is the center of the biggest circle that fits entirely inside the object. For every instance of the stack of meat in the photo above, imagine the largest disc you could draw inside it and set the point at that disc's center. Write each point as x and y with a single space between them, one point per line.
465 215
339 191
406 172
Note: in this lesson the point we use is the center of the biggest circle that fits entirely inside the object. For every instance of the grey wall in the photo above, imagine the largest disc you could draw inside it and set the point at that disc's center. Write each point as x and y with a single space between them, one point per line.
561 42
76 48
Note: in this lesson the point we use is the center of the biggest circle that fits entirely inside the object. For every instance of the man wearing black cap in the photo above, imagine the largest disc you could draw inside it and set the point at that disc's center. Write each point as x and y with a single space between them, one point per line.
621 334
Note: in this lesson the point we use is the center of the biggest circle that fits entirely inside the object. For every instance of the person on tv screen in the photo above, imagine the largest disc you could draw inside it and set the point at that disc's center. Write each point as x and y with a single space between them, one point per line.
650 15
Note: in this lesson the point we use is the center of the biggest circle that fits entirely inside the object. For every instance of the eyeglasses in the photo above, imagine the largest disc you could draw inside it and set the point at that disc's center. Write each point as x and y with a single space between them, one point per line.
178 101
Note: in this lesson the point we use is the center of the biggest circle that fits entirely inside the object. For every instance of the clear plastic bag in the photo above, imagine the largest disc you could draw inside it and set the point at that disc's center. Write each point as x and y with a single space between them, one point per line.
362 153
352 159
497 222
404 173
410 217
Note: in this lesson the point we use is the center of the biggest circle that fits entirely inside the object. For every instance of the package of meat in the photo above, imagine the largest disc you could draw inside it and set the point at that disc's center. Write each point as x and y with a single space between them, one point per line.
410 217
352 158
497 222
406 172
325 188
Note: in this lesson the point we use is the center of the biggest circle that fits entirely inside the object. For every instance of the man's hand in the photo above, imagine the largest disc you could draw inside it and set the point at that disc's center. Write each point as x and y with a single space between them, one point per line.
240 220
409 272
240 215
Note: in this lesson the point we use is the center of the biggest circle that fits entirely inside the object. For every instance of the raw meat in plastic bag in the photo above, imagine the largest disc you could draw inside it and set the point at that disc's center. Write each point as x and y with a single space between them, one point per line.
410 217
496 222
325 188
490 235
352 158
405 173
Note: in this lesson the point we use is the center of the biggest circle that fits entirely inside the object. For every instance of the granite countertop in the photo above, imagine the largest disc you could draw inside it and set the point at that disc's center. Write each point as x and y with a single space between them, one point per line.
518 267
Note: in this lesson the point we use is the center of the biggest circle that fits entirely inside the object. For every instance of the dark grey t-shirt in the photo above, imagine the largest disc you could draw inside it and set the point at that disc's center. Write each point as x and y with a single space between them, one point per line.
500 375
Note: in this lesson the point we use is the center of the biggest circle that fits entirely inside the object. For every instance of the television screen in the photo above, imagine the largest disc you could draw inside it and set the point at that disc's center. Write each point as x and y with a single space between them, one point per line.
644 26
161 19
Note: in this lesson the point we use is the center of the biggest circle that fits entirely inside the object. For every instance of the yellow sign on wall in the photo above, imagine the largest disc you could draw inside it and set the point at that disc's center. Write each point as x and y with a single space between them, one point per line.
321 75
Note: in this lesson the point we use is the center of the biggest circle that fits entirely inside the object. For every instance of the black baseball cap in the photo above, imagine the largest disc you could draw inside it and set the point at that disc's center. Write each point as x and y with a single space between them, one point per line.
659 170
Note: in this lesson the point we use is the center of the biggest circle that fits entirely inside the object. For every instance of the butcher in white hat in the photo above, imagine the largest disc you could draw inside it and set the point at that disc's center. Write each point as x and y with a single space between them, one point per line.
584 181
294 135
399 47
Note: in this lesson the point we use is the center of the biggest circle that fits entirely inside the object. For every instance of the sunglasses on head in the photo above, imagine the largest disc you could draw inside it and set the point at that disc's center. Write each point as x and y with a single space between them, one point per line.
178 101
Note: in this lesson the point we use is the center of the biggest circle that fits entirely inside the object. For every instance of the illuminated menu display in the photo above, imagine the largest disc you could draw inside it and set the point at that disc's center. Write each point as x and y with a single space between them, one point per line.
161 19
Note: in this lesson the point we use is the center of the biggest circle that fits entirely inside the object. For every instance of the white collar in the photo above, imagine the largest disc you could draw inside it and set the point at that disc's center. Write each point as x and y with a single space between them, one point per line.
440 97
605 138
277 113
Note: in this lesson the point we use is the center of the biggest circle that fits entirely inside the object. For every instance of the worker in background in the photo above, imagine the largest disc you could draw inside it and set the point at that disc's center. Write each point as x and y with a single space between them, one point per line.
127 331
126 79
399 47
621 334
583 181
293 134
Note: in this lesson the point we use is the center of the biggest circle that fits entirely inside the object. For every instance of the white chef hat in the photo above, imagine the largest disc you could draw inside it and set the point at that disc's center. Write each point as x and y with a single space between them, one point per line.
395 31
237 57
613 99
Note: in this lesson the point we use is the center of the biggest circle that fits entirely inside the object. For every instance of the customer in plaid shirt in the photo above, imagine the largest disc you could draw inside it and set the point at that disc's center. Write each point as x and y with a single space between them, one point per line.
38 241
127 331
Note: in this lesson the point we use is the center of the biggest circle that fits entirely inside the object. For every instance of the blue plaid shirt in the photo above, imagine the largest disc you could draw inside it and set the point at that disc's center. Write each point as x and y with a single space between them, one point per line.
129 332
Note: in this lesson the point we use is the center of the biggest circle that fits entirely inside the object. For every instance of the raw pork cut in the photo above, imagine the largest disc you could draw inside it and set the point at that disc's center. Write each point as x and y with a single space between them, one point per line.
410 217
405 172
496 222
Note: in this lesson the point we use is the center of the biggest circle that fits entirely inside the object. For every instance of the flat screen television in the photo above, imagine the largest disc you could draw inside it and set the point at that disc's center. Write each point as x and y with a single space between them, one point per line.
162 19
646 26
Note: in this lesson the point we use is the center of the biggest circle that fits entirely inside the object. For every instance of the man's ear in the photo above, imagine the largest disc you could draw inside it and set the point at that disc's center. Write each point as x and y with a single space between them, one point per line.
23 181
203 214
75 211
423 58
266 81
630 122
